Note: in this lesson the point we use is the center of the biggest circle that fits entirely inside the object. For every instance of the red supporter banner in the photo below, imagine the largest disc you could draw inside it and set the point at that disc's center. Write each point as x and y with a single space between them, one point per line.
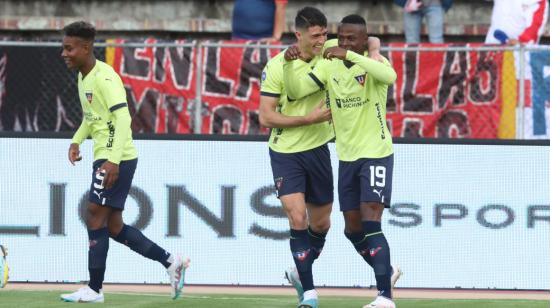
445 94
160 84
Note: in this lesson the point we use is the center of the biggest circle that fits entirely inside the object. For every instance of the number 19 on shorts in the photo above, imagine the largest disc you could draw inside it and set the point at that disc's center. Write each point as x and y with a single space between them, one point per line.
377 176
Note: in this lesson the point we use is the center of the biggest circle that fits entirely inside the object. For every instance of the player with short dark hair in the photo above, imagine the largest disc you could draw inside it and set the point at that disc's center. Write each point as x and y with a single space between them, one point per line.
107 120
300 157
357 88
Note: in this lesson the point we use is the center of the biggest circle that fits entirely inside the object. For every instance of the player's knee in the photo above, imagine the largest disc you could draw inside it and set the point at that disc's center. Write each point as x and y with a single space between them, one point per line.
114 229
372 211
297 217
353 222
95 217
297 221
320 225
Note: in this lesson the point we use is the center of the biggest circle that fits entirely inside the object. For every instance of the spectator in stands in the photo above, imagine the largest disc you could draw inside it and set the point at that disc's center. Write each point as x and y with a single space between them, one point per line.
415 10
517 21
259 19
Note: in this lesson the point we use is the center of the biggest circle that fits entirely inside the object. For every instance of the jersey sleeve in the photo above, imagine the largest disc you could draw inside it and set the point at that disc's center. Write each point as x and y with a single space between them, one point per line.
114 95
122 123
82 133
383 72
329 43
113 91
301 85
272 80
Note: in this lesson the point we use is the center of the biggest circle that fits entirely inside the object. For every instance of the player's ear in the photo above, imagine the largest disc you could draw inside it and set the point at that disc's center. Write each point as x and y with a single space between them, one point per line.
298 34
366 40
88 46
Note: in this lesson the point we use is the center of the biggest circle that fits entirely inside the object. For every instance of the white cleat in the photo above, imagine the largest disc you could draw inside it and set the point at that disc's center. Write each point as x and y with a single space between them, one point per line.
293 278
176 272
4 269
381 302
84 295
396 274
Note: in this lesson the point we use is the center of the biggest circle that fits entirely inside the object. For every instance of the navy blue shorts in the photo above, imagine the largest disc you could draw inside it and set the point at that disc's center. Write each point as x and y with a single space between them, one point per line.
309 172
116 196
365 180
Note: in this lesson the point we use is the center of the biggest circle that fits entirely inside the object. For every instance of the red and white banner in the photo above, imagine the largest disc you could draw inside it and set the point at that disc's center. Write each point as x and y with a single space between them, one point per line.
437 93
445 94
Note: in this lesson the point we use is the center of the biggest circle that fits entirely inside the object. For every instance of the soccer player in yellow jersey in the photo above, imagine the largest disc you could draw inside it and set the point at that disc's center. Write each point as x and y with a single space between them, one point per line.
357 87
107 120
300 158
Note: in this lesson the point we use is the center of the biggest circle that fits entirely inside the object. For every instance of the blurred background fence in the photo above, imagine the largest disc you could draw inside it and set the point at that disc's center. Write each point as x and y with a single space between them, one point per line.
212 87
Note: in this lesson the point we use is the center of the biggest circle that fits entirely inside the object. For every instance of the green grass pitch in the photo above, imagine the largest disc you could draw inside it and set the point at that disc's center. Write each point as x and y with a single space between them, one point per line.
47 299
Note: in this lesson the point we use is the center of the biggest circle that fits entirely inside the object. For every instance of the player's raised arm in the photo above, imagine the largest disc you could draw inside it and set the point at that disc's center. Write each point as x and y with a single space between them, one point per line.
299 85
382 72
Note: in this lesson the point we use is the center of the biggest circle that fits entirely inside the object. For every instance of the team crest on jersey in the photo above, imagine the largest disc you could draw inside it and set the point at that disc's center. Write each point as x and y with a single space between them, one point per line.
89 96
361 79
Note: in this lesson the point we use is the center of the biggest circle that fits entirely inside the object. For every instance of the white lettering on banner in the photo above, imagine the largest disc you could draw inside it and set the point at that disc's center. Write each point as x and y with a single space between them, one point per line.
215 202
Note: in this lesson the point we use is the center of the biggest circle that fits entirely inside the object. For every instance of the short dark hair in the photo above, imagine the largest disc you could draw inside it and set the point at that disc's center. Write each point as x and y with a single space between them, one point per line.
354 19
81 29
310 17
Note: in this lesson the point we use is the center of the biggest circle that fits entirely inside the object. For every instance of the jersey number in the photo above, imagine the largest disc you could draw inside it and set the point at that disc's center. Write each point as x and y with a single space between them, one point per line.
377 176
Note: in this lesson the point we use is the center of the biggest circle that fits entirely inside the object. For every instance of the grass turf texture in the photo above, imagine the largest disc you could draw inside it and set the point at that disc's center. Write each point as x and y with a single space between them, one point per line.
49 299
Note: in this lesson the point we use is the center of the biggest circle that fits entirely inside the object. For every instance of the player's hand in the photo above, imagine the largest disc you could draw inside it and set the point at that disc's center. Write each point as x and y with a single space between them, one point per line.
375 55
374 49
335 52
319 114
110 171
74 153
292 53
